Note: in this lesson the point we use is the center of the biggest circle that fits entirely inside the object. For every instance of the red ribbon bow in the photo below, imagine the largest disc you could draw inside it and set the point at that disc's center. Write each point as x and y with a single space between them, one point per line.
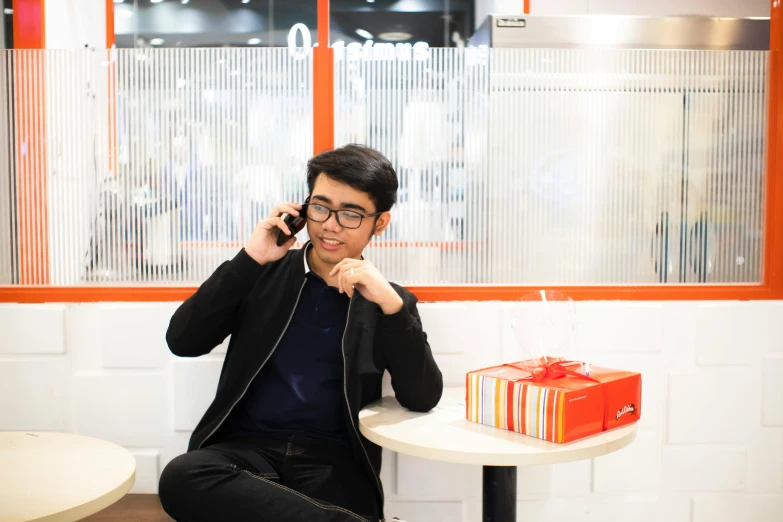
552 368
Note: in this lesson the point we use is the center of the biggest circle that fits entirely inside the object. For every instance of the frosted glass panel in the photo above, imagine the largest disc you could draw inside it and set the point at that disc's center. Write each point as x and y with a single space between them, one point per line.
533 166
428 112
8 230
516 166
147 166
209 140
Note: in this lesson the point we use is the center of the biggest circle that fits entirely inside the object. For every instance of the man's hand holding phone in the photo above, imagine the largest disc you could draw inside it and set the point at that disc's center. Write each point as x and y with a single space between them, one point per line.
263 243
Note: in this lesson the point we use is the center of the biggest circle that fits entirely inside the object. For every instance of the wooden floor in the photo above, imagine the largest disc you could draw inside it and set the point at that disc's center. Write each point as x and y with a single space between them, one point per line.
141 508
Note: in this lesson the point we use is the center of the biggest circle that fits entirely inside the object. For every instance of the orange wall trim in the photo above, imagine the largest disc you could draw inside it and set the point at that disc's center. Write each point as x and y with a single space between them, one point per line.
323 85
526 6
443 246
30 127
323 99
92 294
323 134
111 86
29 27
773 259
110 38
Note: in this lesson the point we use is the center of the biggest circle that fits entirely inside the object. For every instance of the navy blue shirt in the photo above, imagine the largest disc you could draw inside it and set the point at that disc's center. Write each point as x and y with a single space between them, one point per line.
299 391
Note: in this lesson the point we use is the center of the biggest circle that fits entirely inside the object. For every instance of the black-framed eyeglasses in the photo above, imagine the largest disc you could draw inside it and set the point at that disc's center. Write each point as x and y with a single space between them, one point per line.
345 218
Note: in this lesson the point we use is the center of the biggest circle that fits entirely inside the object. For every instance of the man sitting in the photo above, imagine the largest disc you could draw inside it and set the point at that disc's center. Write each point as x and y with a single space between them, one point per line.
312 332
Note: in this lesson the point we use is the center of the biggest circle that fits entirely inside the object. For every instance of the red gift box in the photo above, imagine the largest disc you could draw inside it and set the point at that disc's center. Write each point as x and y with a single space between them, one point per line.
553 399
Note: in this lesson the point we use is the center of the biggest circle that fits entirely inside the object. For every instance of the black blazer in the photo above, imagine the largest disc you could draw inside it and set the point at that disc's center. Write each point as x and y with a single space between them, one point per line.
255 303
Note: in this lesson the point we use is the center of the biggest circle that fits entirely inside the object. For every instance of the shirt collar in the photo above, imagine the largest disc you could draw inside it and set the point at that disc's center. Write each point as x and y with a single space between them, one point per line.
307 247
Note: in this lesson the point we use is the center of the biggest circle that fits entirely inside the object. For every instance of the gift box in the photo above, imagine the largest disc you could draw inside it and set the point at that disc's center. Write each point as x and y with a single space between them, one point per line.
553 399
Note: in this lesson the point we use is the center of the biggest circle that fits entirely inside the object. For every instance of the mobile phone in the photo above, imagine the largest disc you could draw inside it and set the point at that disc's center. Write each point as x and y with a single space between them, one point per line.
294 223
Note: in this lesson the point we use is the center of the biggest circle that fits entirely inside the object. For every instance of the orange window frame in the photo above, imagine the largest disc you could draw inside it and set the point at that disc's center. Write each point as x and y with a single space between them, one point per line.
323 139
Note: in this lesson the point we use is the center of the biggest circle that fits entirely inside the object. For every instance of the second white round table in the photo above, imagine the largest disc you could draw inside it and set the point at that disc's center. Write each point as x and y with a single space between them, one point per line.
60 477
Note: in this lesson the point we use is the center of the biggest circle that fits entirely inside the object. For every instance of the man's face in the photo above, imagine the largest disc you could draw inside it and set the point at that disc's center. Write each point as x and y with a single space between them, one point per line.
331 241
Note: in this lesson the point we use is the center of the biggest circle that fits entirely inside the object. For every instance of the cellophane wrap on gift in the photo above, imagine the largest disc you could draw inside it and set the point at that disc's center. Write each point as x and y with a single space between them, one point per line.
545 328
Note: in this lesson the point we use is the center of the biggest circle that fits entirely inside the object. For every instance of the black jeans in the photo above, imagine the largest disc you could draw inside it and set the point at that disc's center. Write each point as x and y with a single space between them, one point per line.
274 479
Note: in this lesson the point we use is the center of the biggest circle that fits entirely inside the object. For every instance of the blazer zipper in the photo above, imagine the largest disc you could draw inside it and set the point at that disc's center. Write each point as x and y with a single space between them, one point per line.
348 405
259 368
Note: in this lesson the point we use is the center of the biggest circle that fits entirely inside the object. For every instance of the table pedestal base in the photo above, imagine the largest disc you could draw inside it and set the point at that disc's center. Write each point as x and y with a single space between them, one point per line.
500 494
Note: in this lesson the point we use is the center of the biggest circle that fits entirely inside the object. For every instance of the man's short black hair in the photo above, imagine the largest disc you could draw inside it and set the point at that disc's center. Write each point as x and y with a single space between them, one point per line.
360 167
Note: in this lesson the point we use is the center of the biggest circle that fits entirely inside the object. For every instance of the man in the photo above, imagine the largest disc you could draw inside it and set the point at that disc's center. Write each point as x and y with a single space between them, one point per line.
312 332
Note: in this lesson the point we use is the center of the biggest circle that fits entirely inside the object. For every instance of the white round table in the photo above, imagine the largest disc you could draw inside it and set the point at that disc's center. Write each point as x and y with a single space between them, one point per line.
60 477
445 434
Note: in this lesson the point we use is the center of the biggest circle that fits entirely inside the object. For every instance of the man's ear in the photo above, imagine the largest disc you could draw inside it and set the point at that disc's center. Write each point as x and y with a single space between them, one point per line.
381 223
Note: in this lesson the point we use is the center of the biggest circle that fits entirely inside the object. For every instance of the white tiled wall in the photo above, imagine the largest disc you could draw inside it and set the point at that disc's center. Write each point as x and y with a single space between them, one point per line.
710 444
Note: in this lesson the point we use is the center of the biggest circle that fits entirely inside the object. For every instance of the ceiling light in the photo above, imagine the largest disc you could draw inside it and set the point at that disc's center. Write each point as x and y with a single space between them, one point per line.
254 41
364 34
157 41
245 1
155 1
118 1
8 10
185 2
395 36
370 1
